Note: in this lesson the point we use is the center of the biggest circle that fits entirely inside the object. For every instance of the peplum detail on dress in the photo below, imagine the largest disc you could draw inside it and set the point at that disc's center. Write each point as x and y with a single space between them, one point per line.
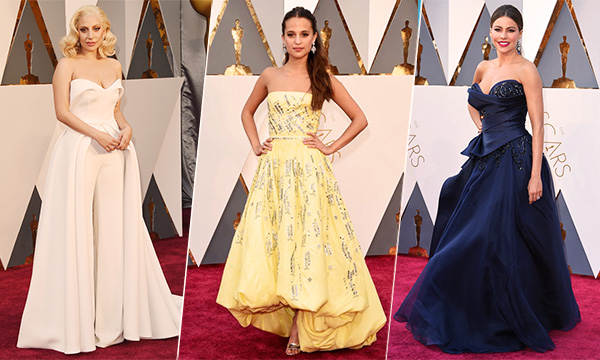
497 278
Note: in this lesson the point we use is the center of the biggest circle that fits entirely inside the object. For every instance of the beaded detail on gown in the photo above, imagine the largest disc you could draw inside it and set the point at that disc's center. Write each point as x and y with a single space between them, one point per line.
61 309
295 248
497 278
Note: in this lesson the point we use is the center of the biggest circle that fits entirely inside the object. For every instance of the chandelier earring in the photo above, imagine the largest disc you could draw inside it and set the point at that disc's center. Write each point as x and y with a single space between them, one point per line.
284 49
313 48
519 49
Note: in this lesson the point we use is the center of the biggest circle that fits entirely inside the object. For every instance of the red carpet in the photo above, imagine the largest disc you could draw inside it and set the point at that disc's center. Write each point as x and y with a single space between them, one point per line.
209 331
583 342
14 284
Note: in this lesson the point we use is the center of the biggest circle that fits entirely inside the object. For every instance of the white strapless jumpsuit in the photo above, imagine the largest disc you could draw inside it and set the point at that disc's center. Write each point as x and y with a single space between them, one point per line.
96 278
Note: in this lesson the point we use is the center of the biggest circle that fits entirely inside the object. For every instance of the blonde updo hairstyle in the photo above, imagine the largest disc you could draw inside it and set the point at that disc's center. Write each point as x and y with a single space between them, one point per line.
70 45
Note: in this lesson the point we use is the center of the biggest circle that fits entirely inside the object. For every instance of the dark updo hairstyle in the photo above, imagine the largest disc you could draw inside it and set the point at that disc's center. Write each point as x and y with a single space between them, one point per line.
317 63
509 11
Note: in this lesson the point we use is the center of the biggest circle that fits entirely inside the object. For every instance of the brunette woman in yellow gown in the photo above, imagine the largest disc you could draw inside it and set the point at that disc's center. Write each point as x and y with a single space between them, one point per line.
295 267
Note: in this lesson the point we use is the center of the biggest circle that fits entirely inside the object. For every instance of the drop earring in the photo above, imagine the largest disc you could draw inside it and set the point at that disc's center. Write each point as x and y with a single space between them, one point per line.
284 49
313 48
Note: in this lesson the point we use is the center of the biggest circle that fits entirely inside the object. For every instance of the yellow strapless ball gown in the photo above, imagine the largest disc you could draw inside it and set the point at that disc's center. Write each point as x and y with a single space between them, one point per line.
295 248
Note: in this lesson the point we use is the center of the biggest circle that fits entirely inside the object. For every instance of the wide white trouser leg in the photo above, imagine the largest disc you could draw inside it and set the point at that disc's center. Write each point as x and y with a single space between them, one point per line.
104 175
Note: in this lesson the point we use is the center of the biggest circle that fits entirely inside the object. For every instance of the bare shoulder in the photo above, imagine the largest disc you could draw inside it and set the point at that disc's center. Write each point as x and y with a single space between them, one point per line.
114 64
336 86
65 68
528 72
527 67
334 81
483 65
268 74
66 63
481 69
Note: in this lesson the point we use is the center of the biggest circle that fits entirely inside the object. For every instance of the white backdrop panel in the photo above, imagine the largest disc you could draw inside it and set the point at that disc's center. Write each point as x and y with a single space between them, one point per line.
28 131
440 133
222 150
575 167
167 171
148 105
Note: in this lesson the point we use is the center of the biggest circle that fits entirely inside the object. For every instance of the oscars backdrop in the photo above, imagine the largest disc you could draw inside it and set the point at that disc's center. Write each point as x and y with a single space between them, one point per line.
561 37
372 49
148 47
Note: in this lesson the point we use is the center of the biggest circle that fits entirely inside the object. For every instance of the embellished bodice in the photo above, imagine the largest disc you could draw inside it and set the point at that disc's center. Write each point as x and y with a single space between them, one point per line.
92 103
502 113
291 115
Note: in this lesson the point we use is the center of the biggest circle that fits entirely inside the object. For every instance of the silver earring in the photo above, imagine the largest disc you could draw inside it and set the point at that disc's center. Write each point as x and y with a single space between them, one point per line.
519 47
313 48
284 49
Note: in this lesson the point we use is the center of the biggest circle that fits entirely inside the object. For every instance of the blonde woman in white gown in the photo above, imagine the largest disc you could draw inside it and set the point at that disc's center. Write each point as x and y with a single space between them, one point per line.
96 278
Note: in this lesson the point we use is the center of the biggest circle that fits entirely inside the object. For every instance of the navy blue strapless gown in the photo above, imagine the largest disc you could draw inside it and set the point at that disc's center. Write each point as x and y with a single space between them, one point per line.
497 279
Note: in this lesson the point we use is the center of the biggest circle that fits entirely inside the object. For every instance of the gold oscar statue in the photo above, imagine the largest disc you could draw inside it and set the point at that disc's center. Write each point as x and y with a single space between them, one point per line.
33 225
151 206
563 233
419 80
405 68
326 33
29 78
418 250
564 82
486 47
394 249
149 74
237 33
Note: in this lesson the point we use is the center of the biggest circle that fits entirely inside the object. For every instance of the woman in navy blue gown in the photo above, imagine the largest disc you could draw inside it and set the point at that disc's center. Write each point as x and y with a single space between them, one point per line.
497 279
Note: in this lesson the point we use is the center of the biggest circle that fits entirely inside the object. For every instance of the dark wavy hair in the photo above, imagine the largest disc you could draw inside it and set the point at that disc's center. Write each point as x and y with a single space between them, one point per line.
317 63
510 11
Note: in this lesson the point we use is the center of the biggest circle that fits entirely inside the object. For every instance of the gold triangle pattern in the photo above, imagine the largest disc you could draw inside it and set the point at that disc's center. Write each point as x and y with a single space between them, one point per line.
550 28
464 54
